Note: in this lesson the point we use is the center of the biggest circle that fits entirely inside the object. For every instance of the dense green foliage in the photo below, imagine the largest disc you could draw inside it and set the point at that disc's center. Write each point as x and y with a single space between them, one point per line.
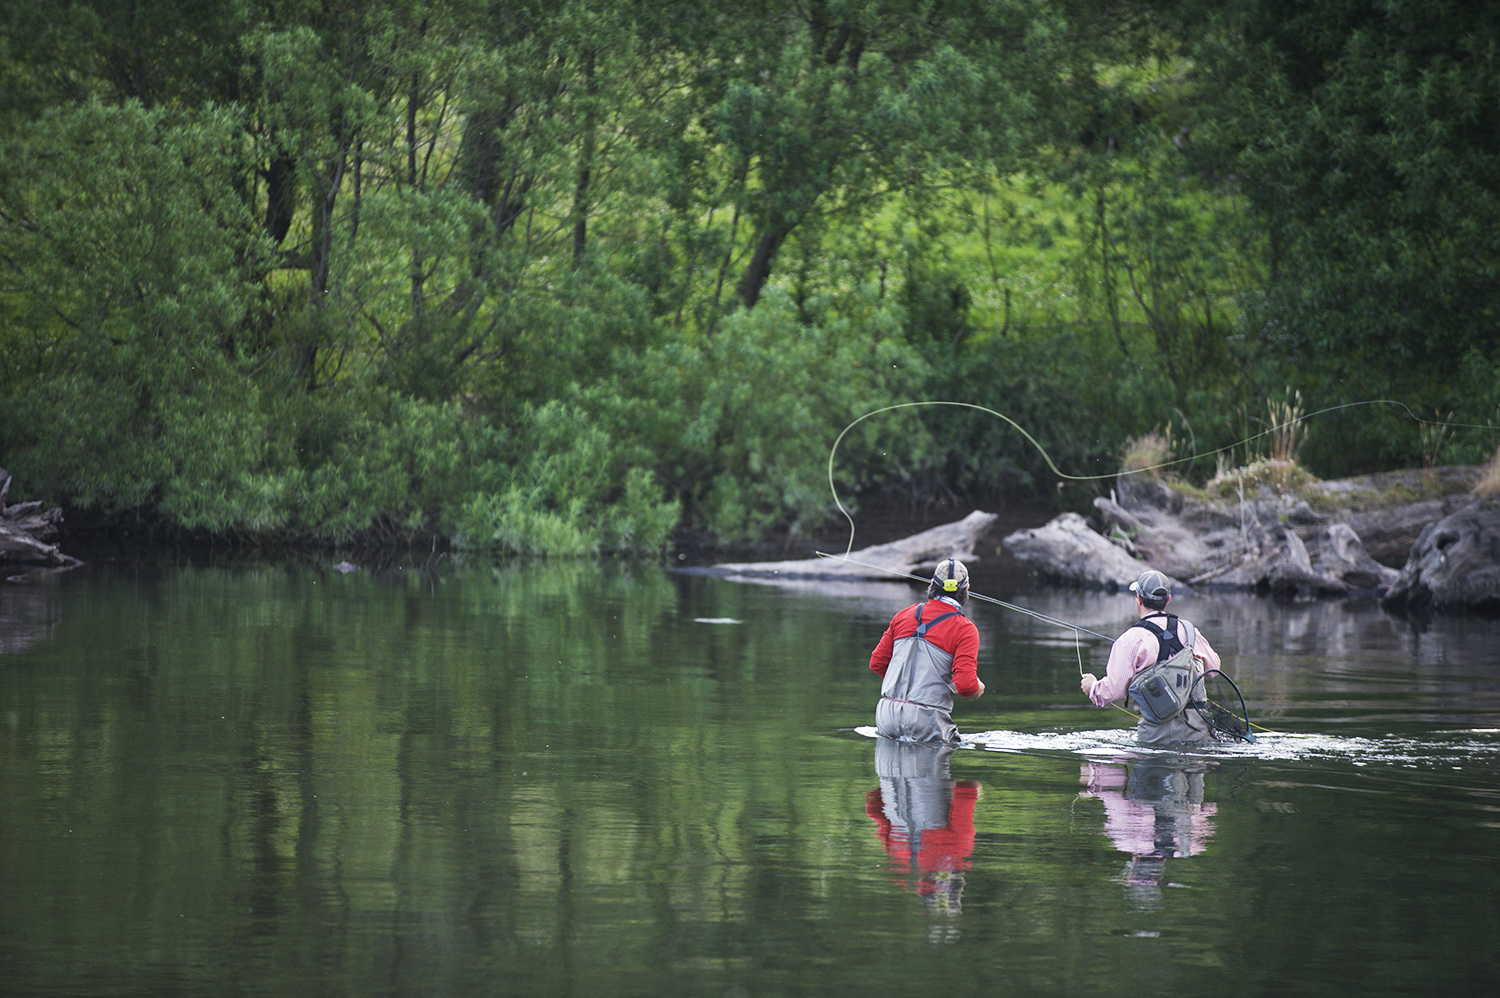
1361 134
566 277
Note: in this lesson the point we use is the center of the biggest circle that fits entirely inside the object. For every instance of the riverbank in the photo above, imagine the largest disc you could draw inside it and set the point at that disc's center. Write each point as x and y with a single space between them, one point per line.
1197 535
1271 527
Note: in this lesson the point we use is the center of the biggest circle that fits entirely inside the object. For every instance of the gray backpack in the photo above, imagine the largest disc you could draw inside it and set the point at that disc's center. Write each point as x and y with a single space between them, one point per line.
1161 691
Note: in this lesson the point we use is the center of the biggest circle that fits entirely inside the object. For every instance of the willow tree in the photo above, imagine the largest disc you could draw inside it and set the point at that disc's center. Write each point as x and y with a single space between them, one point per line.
826 107
1362 135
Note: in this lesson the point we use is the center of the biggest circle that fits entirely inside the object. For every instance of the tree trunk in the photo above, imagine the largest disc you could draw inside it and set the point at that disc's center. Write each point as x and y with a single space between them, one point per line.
322 255
281 196
585 162
413 98
758 271
479 153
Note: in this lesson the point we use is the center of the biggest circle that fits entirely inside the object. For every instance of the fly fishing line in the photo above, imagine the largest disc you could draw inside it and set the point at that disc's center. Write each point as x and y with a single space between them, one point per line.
1216 698
972 594
1052 466
1076 629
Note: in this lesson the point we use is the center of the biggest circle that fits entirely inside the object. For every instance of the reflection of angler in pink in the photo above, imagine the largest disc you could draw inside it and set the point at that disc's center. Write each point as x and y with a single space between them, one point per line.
1154 811
925 821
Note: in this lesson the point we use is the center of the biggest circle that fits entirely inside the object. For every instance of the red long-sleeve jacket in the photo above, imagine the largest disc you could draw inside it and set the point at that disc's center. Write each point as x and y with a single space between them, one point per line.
957 635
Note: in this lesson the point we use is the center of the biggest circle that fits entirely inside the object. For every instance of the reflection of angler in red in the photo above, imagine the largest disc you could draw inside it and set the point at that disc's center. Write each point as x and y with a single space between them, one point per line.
924 819
1154 811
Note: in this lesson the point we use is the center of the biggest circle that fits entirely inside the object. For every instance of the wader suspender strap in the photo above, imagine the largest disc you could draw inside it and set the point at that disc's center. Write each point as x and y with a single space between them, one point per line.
915 665
922 628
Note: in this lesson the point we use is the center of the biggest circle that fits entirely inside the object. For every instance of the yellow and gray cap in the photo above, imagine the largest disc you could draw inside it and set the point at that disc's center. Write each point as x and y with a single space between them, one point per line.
950 576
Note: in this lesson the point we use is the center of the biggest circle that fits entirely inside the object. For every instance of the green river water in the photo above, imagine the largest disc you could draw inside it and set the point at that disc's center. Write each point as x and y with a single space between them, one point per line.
574 779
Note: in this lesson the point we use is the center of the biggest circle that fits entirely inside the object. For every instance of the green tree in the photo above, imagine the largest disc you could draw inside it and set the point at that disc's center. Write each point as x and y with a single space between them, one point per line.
127 257
1360 132
545 276
831 105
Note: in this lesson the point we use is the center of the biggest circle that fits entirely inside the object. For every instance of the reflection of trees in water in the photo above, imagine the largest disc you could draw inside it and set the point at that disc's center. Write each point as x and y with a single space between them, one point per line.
1153 810
544 753
27 614
926 822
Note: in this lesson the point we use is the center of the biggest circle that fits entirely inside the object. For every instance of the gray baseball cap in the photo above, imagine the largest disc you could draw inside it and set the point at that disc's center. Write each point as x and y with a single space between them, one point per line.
1152 585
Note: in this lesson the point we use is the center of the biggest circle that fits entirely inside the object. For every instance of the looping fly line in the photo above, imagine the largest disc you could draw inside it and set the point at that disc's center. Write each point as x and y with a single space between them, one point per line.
1078 631
833 451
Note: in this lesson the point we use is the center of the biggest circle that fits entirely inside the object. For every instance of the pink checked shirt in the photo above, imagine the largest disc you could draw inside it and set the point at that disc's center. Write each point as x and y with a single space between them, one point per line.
1138 648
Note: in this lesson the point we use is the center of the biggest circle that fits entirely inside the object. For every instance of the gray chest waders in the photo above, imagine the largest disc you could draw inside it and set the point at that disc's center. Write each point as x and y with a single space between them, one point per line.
916 697
1161 691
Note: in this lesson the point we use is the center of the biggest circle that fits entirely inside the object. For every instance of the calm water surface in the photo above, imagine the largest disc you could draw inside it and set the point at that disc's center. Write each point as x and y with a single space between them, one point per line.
573 779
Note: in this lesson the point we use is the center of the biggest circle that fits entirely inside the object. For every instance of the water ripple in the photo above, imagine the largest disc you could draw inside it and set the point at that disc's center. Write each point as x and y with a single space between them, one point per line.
1451 748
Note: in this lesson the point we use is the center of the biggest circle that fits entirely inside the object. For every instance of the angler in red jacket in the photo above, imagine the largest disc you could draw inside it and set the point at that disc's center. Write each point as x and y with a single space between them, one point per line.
929 652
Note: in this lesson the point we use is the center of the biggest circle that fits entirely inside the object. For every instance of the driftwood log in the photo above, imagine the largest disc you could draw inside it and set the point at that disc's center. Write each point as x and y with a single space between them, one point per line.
26 530
1262 540
917 553
1068 549
1454 565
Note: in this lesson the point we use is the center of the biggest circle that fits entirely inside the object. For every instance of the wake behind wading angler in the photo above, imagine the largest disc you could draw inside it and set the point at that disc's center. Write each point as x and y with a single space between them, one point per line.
1207 695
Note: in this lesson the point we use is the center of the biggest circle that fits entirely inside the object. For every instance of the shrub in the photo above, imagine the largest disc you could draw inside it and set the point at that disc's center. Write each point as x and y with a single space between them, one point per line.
566 491
1149 452
1489 482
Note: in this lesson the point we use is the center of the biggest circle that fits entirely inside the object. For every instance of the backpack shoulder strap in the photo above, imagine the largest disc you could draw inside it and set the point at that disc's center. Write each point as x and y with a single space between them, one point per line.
922 628
1146 625
1168 643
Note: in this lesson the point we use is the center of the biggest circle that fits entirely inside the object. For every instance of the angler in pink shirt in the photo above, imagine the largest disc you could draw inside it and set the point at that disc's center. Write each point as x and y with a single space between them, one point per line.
1151 639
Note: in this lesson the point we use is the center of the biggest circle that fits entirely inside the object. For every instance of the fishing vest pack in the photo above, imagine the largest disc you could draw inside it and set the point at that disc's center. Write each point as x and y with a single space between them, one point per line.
1161 691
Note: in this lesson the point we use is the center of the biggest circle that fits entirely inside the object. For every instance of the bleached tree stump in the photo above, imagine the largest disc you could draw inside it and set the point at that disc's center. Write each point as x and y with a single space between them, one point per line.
910 555
25 530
